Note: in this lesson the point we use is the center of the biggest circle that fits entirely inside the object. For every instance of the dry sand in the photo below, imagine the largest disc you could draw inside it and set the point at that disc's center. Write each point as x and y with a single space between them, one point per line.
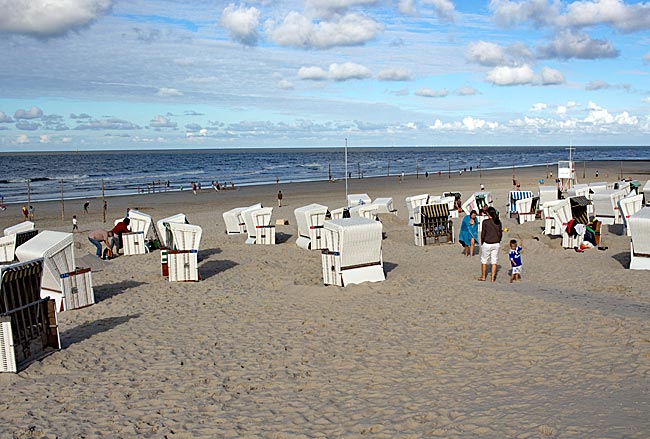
261 349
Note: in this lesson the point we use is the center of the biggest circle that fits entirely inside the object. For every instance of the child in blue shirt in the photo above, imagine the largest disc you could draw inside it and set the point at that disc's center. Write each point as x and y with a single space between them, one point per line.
515 260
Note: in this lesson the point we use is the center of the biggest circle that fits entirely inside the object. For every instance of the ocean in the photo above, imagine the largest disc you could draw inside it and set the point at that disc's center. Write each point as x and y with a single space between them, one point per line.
80 174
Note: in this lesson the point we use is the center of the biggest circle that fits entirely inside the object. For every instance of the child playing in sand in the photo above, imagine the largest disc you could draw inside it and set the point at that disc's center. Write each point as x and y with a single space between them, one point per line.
515 260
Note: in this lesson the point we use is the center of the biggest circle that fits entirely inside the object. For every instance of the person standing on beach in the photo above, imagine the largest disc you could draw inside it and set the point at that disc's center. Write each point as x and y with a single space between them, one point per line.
515 260
118 230
491 235
86 206
30 212
75 228
25 212
279 198
105 207
468 236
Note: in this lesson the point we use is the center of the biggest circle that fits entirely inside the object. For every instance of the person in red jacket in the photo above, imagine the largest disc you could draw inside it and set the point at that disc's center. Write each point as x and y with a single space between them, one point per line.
122 227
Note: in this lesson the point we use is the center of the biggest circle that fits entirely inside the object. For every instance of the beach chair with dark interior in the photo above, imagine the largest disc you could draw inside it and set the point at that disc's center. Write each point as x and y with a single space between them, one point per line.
133 243
413 203
606 207
353 251
513 197
15 236
477 201
639 224
527 209
432 225
70 287
573 234
310 221
454 210
628 206
28 324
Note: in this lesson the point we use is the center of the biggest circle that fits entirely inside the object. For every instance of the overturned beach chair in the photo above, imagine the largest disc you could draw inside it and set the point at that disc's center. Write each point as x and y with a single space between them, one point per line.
640 240
413 203
384 205
606 205
547 193
163 229
527 209
258 225
28 324
353 251
310 221
628 206
513 197
62 281
477 201
14 237
134 242
357 199
432 225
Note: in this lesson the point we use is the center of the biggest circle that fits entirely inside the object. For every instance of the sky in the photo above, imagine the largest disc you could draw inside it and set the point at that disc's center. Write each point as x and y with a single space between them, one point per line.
189 74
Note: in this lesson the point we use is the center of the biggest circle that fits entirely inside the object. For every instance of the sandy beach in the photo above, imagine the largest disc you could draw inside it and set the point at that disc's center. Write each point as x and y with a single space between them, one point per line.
260 348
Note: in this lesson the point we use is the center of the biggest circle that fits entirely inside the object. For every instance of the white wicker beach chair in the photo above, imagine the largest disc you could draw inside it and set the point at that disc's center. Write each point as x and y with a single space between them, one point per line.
338 213
69 287
264 229
233 222
432 225
28 324
513 197
526 209
183 265
185 236
413 202
353 253
551 226
645 190
385 205
365 211
640 242
476 202
623 185
161 226
310 221
606 205
598 187
134 242
547 193
14 237
628 206
357 199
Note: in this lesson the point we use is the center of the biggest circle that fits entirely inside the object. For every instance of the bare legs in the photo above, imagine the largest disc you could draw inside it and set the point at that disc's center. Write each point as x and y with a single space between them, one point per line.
484 272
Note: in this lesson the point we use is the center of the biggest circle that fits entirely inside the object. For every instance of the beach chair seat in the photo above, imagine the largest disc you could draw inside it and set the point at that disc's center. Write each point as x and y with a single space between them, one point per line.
358 199
432 225
639 224
163 230
384 205
310 221
183 265
628 206
57 251
28 323
133 243
527 209
264 229
413 203
353 251
606 205
513 197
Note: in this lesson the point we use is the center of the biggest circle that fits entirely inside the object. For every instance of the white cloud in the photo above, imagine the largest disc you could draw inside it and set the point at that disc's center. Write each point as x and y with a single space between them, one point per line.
44 138
505 75
466 91
407 7
168 92
471 124
561 110
646 59
162 122
348 70
394 74
22 139
46 18
429 93
600 116
492 55
329 6
551 76
32 113
646 100
444 9
568 44
540 106
510 13
611 12
312 73
4 118
184 62
241 23
299 31
283 84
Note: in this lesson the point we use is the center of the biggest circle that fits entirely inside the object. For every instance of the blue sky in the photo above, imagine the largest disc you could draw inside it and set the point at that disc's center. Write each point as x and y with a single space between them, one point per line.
110 74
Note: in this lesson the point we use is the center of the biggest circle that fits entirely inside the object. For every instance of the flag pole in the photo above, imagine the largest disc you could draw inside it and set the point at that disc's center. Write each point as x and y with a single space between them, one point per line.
346 171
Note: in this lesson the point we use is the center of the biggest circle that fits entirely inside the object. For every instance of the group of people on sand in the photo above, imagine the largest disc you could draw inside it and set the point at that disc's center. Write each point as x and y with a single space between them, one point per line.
111 238
489 242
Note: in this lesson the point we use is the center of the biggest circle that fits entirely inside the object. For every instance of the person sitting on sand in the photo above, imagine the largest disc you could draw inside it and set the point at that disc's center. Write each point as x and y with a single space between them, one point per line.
491 235
468 235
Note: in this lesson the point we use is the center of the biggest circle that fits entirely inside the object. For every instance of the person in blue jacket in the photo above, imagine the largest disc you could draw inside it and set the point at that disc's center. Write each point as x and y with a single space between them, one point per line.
468 235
